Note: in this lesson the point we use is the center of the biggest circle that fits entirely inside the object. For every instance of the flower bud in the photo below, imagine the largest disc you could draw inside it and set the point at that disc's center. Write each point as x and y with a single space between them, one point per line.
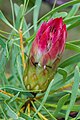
45 54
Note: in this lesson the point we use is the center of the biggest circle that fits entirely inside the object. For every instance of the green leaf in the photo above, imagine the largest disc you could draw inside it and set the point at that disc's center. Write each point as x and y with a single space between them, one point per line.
75 42
3 112
55 10
14 97
11 113
3 78
15 53
3 37
75 24
27 93
2 17
3 96
2 43
32 8
47 111
74 91
3 60
75 108
25 26
19 17
72 19
12 10
59 8
20 118
73 47
20 69
59 14
60 104
70 60
62 72
36 13
16 9
73 10
25 116
60 82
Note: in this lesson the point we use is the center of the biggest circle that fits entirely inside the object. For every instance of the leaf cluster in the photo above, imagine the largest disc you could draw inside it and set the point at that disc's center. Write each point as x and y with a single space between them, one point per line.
63 93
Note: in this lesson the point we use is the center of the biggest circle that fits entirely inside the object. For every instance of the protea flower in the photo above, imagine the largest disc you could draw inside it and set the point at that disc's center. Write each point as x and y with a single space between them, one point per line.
45 54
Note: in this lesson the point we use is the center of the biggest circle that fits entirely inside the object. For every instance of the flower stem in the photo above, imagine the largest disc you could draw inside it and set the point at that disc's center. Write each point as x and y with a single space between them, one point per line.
6 93
22 48
11 95
28 109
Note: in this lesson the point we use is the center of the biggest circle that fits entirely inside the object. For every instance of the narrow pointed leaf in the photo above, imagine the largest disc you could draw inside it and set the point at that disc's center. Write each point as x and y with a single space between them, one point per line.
11 113
2 17
60 14
36 12
2 43
72 47
74 91
71 60
62 72
73 10
61 102
60 8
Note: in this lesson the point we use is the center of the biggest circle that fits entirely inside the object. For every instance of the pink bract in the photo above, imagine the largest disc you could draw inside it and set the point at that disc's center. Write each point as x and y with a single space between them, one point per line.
49 41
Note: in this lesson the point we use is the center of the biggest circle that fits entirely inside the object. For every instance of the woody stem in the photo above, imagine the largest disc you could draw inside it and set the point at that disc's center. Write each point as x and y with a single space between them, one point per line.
39 114
28 109
22 48
6 93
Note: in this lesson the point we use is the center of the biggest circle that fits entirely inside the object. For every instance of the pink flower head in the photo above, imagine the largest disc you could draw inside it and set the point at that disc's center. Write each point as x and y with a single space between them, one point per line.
49 42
